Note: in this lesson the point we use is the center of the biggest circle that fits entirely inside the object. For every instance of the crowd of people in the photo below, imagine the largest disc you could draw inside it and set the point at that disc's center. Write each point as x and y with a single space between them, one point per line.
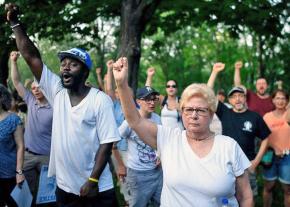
200 150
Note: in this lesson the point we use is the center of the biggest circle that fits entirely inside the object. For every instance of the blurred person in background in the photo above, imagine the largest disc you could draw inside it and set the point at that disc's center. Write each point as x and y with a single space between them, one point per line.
279 141
170 111
11 149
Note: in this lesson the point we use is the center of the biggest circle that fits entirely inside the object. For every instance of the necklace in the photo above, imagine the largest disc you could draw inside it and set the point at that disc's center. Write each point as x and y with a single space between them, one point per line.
202 139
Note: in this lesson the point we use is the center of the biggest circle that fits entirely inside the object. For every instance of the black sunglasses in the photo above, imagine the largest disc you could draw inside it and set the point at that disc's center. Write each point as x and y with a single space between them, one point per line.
170 86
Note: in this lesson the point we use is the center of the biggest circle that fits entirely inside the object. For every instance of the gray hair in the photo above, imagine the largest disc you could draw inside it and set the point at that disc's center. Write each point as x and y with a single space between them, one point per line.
5 98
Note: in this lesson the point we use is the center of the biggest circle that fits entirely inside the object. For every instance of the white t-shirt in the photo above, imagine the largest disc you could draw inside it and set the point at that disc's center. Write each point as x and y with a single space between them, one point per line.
192 181
140 155
171 118
77 133
216 125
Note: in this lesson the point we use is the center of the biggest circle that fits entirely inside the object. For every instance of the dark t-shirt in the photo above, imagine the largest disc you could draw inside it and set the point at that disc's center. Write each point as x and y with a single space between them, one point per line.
243 127
259 105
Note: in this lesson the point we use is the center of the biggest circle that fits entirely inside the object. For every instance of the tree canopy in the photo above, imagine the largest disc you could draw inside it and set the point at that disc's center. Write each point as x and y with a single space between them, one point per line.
167 24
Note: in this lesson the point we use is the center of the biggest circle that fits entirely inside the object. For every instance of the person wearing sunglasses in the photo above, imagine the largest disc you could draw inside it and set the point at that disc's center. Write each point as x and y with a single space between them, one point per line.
170 111
199 167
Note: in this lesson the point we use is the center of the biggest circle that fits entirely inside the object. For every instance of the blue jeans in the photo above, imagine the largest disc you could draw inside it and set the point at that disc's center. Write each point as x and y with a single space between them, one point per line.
144 186
280 169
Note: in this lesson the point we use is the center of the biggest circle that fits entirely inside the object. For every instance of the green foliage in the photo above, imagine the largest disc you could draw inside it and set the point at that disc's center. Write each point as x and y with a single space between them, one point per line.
188 55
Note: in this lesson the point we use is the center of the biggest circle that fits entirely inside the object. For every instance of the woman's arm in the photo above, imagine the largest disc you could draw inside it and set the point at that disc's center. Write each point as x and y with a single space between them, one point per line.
243 191
145 129
18 137
150 74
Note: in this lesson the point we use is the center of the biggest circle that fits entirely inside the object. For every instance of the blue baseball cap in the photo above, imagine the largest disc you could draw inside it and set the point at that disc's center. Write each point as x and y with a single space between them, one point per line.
77 53
145 91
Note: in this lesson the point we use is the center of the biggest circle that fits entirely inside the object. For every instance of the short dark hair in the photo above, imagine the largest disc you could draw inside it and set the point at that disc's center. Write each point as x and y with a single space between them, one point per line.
5 98
280 91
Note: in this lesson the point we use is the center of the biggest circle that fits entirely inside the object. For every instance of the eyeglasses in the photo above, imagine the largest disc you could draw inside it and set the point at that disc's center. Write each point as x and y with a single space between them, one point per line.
280 98
170 86
148 100
188 111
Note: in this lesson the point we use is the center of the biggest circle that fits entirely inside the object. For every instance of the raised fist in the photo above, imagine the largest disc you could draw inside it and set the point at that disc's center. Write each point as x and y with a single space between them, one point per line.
110 64
217 67
98 70
150 71
120 70
14 56
12 12
238 65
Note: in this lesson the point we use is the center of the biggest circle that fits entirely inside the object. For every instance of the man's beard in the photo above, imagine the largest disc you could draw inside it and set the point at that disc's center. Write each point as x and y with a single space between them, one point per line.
76 80
261 93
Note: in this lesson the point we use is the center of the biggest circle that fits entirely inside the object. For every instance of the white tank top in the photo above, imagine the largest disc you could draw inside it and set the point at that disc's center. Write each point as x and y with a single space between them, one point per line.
169 118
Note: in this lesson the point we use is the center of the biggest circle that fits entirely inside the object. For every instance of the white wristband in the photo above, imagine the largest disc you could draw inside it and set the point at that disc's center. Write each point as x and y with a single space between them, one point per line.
15 25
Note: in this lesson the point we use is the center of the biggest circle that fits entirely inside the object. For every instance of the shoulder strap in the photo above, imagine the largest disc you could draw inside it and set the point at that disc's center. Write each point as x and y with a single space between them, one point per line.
164 101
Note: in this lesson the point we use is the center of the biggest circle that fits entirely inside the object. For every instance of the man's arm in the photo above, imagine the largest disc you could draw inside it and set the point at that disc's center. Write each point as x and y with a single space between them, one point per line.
121 168
150 74
101 159
237 75
217 67
15 74
110 80
255 162
27 49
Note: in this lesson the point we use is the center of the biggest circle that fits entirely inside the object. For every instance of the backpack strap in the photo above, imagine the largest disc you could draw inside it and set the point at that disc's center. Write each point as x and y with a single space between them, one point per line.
164 101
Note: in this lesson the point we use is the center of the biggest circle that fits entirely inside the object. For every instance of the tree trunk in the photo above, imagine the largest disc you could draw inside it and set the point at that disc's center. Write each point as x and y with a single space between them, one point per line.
262 66
4 57
135 14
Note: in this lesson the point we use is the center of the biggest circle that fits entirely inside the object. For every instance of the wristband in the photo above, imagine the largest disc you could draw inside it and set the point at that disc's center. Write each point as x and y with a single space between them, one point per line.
15 25
94 180
19 172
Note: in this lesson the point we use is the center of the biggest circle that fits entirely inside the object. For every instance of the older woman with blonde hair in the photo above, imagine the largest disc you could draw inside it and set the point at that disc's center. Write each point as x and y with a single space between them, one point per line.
199 168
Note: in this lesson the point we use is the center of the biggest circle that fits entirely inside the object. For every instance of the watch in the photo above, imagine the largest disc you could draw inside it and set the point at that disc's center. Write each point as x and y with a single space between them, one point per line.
19 172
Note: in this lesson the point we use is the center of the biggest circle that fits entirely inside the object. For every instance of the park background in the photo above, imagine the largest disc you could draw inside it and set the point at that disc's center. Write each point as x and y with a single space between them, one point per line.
182 39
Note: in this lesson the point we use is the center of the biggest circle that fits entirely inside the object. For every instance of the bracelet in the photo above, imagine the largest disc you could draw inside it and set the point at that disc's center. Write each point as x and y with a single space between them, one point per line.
15 25
93 180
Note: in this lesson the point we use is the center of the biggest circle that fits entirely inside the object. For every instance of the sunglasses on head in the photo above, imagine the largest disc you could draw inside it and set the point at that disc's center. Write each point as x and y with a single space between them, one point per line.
170 86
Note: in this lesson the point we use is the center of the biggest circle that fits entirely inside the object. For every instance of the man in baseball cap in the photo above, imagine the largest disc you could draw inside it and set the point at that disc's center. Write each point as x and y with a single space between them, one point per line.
236 89
243 125
83 126
143 159
145 91
78 54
